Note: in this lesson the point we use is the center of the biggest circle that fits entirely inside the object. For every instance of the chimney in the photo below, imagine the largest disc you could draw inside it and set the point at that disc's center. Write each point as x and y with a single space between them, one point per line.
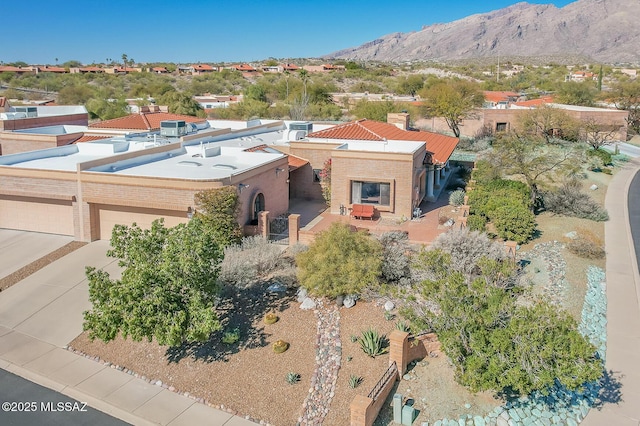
399 119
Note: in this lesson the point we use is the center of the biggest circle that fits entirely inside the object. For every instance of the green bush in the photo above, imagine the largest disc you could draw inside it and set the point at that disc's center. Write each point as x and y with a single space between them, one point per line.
514 222
456 198
231 337
476 222
373 343
486 198
603 155
485 172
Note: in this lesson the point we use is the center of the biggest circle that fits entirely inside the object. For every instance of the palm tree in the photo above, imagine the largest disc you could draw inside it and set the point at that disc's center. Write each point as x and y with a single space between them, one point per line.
304 76
124 60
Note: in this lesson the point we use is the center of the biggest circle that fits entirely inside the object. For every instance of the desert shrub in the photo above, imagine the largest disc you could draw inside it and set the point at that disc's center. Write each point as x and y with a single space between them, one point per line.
466 248
456 198
231 337
569 200
248 261
476 222
514 222
603 155
340 261
373 343
586 245
395 256
485 172
271 318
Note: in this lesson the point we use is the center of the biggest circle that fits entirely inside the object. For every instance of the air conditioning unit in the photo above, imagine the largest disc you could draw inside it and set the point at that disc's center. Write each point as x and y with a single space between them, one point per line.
173 128
30 111
307 126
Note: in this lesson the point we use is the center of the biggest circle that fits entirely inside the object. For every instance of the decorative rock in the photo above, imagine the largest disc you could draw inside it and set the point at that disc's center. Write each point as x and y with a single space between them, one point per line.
389 305
307 304
593 187
467 405
478 421
277 288
350 301
406 377
302 294
573 235
159 383
449 223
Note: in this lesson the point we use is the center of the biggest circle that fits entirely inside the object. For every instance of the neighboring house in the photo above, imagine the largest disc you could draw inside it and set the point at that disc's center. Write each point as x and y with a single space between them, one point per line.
148 119
87 70
382 164
245 68
160 70
580 76
84 189
323 68
499 99
208 102
30 128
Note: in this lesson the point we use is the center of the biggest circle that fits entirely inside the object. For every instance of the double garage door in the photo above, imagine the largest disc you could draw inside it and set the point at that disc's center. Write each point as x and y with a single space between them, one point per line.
107 216
36 214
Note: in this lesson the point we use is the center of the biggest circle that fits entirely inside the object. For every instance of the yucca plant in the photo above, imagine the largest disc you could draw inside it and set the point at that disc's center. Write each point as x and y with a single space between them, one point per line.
373 343
403 326
355 381
292 378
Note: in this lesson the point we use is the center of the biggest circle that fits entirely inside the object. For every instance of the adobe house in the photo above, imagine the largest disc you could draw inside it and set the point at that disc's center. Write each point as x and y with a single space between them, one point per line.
83 190
382 164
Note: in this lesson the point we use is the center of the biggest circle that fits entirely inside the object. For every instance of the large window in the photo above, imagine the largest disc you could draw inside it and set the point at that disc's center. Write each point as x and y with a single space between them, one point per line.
258 206
377 193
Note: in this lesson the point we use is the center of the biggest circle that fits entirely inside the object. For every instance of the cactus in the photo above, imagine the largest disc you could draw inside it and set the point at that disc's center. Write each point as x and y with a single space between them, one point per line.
280 346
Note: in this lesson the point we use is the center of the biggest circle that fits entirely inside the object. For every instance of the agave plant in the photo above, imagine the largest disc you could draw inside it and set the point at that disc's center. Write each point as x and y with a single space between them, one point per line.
373 343
403 326
355 381
292 378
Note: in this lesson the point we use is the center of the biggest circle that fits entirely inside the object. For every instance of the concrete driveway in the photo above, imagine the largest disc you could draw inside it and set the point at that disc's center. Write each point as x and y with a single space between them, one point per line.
48 305
20 248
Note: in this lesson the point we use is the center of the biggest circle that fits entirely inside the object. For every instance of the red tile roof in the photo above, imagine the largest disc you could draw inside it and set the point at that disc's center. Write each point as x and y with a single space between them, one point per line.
8 68
536 102
48 68
499 96
440 146
290 67
294 161
202 67
245 68
92 69
87 138
144 121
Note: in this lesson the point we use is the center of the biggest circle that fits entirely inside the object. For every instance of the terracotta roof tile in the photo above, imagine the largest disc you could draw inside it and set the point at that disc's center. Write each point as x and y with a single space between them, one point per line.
498 96
144 121
294 161
245 68
440 146
88 138
535 102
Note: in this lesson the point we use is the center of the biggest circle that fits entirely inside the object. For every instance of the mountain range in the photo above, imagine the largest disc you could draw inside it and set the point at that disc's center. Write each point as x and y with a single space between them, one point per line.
600 30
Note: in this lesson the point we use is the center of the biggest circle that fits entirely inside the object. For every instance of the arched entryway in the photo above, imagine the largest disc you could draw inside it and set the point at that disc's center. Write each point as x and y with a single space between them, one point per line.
258 205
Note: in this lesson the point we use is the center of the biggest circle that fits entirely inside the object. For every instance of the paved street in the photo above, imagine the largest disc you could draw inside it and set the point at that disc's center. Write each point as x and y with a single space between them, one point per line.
43 406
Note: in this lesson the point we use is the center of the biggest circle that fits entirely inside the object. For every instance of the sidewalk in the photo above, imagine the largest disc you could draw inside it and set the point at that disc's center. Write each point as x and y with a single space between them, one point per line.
40 315
623 310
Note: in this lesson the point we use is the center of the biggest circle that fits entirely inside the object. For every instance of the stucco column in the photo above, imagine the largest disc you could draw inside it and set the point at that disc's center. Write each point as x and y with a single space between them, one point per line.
436 175
430 178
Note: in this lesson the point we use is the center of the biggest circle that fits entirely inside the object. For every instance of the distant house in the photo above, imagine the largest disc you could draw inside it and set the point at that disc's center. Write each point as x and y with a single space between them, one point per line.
323 68
197 69
499 99
87 70
580 76
159 70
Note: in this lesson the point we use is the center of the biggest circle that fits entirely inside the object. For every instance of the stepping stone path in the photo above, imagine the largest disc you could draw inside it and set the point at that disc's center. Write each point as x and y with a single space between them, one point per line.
328 356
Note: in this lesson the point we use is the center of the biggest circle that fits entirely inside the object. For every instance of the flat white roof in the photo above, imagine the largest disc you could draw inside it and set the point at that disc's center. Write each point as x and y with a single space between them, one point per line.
61 129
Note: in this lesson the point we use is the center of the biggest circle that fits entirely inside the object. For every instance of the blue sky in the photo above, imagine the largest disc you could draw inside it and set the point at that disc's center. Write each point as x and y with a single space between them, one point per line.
38 31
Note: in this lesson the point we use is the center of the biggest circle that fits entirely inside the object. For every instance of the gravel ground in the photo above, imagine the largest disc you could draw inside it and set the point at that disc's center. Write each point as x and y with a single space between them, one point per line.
36 265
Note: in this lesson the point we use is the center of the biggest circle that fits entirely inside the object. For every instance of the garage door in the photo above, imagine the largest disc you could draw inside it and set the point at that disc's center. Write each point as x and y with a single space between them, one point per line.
36 214
109 216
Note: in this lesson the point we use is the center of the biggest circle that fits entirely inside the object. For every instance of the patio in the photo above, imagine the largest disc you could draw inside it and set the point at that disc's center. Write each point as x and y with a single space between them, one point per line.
315 217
